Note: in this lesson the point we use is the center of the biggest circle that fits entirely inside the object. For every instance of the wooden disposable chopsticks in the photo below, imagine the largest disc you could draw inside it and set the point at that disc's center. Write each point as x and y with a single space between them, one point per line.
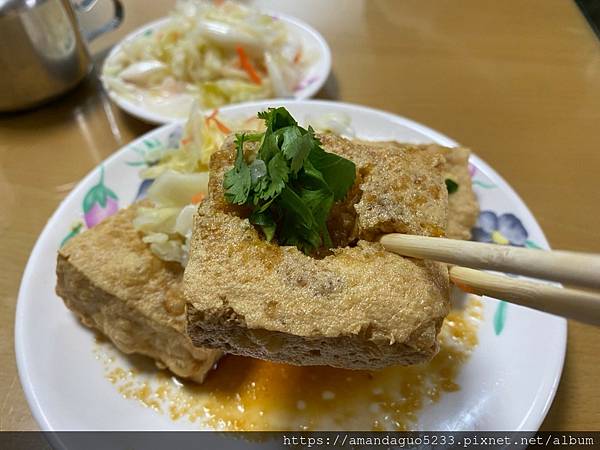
578 269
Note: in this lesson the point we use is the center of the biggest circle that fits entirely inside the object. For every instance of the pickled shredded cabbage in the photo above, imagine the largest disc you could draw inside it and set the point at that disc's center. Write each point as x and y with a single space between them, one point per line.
215 53
181 177
201 138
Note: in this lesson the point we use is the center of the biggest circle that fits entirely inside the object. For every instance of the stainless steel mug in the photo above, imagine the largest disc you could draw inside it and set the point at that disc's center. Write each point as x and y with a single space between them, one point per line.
43 52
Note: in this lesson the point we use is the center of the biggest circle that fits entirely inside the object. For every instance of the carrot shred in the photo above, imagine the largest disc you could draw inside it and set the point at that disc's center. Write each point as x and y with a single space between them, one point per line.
186 141
247 65
220 125
298 56
197 198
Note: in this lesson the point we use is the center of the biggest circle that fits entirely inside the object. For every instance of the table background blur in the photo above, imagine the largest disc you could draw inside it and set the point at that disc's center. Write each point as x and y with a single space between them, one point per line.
518 81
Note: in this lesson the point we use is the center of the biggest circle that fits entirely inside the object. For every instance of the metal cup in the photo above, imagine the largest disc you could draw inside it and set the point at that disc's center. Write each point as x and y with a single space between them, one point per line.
42 51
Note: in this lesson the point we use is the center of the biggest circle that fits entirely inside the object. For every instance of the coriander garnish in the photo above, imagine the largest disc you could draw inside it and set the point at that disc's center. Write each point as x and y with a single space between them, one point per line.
451 185
291 185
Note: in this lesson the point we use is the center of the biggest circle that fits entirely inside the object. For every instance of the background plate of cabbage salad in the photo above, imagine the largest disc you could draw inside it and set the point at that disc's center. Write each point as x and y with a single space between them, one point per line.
214 54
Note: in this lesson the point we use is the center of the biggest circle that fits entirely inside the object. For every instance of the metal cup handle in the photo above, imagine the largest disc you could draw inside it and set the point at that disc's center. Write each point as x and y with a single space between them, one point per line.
87 5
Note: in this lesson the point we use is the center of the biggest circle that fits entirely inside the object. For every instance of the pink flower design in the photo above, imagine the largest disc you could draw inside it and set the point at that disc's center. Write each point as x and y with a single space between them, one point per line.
472 170
99 203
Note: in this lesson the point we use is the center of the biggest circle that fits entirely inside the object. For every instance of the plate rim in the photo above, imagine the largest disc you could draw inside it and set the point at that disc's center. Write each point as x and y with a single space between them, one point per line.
539 407
155 118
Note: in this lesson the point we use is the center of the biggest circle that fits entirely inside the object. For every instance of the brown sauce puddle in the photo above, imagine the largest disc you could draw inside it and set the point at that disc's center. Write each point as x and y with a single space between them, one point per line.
249 394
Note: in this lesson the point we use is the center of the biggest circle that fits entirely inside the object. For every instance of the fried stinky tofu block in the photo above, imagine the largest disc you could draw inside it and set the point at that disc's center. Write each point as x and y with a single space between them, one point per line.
398 189
359 307
112 281
463 208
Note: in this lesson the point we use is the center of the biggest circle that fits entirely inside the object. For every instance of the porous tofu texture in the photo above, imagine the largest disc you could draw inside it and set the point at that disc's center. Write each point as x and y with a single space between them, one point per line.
111 280
400 188
359 307
463 208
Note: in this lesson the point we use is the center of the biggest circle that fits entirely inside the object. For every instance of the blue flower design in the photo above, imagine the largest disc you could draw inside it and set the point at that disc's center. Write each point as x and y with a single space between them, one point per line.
505 229
143 189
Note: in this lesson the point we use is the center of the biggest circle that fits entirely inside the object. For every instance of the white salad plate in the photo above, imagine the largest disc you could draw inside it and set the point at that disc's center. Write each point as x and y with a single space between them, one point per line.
315 77
508 383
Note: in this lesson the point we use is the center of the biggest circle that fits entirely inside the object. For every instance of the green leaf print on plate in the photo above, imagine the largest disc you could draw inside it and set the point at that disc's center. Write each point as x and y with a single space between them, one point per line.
149 154
75 230
500 317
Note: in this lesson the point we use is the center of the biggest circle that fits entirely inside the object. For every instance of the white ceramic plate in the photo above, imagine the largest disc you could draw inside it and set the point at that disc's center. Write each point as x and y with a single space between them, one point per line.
313 80
507 384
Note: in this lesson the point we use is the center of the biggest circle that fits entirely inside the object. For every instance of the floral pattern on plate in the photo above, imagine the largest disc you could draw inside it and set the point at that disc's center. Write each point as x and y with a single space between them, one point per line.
503 229
99 203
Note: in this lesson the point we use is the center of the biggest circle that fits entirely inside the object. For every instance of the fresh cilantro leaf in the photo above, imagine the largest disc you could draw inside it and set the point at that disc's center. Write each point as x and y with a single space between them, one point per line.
265 221
319 203
264 206
296 146
291 185
451 185
317 195
269 147
278 171
276 118
298 227
237 181
338 172
293 205
253 137
314 189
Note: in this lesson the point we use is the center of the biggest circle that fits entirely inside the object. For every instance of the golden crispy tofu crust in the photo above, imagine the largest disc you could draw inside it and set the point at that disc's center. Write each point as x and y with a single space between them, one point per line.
360 307
111 280
463 208
400 188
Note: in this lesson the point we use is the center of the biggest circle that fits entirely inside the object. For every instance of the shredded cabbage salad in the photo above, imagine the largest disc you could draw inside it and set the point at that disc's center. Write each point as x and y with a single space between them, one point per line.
181 177
214 53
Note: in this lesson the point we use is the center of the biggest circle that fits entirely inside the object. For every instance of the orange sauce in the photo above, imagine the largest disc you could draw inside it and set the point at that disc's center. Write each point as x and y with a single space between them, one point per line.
249 394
